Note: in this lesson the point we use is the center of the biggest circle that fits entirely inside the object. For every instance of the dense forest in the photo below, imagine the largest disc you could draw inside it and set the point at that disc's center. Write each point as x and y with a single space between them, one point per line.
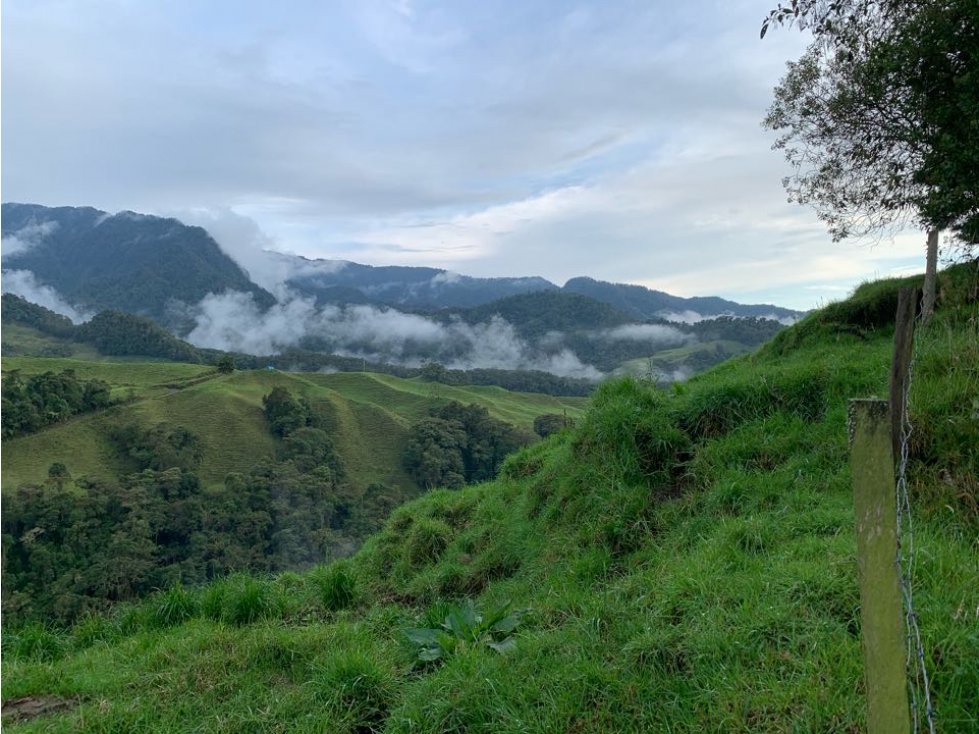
131 262
30 403
459 444
74 545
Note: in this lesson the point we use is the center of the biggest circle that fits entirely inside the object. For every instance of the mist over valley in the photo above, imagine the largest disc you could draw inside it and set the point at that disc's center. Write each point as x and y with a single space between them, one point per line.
232 295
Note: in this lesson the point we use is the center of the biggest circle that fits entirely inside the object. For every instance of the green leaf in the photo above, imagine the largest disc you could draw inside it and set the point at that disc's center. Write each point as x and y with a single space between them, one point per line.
509 623
421 636
429 654
504 646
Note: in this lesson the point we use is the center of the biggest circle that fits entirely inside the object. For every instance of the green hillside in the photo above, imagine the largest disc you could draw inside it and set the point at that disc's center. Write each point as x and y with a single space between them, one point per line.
664 364
681 561
372 413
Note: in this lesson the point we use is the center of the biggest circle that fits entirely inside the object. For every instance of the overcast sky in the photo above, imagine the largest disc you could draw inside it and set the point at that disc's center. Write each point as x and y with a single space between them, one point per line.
620 140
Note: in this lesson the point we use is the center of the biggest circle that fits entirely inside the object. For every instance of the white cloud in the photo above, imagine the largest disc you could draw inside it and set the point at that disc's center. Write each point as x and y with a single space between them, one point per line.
493 138
23 283
231 321
26 237
657 334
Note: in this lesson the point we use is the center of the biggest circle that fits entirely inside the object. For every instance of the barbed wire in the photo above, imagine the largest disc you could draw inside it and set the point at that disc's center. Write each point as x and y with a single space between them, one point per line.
917 671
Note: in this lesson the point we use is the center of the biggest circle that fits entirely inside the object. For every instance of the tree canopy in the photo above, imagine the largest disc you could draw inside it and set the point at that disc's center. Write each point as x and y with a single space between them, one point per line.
878 118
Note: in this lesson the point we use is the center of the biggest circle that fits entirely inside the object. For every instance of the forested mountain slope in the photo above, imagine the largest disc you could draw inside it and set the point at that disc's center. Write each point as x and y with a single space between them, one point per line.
131 262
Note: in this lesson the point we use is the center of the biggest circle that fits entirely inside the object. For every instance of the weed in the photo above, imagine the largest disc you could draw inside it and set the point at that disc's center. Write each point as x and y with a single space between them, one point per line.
465 628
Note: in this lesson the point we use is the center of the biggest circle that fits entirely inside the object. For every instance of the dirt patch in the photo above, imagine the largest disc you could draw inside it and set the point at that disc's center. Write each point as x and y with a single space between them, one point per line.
29 707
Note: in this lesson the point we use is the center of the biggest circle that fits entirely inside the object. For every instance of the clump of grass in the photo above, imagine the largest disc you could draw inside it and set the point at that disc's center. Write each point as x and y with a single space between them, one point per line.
251 600
34 641
92 629
425 542
337 585
241 600
659 650
357 690
174 606
713 408
629 433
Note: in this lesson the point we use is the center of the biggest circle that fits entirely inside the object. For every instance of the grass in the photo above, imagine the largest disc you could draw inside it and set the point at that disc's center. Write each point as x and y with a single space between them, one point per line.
667 361
372 414
687 557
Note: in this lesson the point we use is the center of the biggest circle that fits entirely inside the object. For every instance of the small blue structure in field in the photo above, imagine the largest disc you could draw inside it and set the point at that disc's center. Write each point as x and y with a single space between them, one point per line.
271 368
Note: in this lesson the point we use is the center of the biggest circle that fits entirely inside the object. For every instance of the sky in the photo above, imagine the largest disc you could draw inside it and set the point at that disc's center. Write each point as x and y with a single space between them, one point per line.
616 139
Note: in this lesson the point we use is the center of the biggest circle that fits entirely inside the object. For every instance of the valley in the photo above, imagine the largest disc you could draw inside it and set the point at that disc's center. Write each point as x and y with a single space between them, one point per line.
679 560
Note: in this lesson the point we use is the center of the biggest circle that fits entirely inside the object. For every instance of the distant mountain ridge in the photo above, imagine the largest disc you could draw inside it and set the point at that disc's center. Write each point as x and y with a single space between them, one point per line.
643 303
403 286
150 265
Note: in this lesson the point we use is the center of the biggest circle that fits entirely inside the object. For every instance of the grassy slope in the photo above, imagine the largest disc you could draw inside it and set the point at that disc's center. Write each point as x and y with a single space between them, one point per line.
373 413
675 586
668 360
18 339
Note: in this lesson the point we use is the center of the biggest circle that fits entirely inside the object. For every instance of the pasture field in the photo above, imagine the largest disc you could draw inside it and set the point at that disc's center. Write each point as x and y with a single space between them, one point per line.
373 414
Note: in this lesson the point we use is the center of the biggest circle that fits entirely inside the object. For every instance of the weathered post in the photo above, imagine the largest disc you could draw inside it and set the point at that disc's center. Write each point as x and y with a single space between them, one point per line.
875 509
907 304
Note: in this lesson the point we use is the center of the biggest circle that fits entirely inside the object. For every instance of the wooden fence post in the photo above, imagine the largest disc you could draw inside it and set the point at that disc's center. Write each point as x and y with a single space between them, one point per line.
875 508
907 305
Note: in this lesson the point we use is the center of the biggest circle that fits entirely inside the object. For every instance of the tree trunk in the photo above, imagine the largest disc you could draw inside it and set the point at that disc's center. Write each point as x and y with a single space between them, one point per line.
931 269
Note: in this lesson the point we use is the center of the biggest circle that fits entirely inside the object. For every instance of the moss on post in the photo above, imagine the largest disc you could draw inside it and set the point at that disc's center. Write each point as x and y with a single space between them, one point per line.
875 508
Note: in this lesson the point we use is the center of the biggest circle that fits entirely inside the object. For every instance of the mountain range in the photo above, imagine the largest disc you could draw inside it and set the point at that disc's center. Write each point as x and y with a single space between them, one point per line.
80 261
142 263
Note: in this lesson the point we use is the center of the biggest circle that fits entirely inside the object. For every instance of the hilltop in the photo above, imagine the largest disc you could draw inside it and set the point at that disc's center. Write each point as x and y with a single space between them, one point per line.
680 561
127 261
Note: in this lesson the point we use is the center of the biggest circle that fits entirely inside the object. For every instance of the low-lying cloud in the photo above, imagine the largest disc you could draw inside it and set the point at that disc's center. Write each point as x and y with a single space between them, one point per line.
23 283
658 335
232 321
693 317
26 237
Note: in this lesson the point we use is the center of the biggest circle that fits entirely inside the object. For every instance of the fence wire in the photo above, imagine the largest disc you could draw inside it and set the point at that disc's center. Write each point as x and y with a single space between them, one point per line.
919 687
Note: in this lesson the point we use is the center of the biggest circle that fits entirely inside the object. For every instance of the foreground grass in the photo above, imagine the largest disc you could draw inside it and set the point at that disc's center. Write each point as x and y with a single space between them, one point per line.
688 560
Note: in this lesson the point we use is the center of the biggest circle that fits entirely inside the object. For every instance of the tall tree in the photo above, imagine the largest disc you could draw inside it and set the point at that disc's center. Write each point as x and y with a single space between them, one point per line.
878 118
